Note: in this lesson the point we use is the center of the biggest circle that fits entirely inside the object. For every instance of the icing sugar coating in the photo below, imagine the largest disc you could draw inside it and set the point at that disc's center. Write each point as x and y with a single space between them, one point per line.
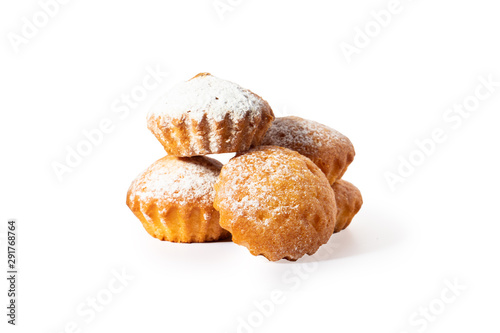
295 131
208 95
246 190
173 199
207 115
177 180
330 150
275 202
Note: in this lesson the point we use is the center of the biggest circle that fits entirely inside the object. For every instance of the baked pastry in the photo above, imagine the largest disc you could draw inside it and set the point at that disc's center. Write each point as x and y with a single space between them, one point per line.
173 198
208 115
275 202
349 202
330 150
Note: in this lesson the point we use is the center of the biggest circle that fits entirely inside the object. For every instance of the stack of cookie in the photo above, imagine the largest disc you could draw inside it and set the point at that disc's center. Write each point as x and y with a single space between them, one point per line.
281 196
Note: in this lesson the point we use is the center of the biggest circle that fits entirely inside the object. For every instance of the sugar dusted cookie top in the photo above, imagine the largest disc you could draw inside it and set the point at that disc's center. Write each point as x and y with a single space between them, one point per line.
332 151
173 199
208 115
275 202
208 95
176 180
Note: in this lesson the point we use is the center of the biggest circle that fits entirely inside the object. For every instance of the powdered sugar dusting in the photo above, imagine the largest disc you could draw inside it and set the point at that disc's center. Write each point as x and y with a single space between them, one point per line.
252 184
293 132
208 95
178 181
276 202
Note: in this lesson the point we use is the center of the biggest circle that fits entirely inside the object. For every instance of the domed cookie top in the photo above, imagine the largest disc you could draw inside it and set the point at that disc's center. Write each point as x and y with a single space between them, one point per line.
208 115
330 150
173 199
177 181
275 202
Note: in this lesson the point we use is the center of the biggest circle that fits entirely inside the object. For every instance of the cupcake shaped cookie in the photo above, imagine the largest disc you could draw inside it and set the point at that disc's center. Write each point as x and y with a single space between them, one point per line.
174 197
349 202
208 115
330 150
275 202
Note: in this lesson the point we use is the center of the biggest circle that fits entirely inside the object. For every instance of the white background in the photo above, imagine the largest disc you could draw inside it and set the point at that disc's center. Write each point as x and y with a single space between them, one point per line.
441 224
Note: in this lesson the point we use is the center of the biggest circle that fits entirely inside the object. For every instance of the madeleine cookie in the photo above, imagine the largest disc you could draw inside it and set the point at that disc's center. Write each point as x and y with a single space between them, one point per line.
174 197
349 202
275 202
331 151
208 115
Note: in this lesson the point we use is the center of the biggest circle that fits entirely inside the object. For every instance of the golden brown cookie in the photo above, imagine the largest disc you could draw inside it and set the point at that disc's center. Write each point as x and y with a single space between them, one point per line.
208 115
173 198
330 150
275 202
349 202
